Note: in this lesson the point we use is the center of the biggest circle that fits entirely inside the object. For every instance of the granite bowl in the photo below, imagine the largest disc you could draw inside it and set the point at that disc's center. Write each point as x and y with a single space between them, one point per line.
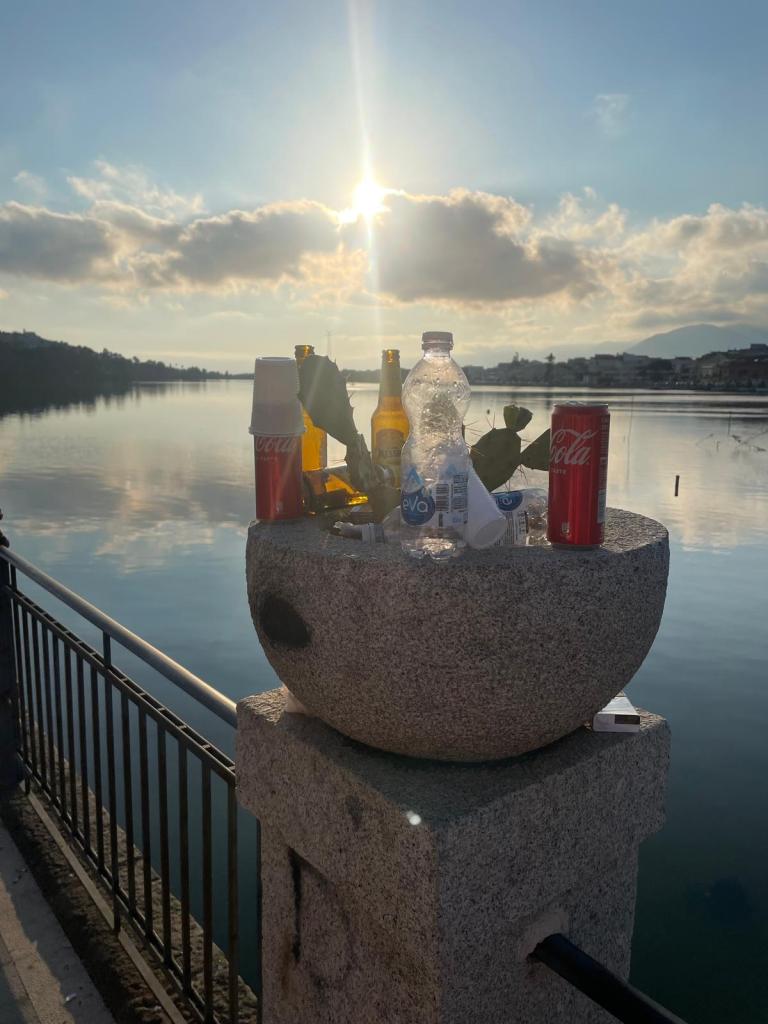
492 655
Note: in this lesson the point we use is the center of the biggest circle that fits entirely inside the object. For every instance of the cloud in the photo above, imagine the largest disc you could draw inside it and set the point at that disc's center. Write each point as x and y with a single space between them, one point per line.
131 185
469 247
583 219
611 110
719 229
33 184
123 246
226 314
580 269
652 319
261 245
712 266
135 224
37 243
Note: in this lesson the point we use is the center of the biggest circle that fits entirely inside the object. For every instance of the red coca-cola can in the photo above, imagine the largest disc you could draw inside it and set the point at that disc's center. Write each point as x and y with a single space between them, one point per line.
278 476
578 474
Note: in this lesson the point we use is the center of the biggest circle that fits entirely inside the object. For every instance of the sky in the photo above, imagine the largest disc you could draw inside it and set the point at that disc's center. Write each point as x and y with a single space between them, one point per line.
182 180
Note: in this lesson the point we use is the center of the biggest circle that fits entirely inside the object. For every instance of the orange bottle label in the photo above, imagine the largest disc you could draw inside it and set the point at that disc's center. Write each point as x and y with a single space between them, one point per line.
387 448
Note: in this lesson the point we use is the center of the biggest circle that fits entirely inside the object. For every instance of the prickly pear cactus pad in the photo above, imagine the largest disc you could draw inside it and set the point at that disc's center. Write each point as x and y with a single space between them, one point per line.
499 453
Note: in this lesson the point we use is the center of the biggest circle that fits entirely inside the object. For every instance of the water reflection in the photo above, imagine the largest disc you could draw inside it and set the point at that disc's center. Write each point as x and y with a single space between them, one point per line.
127 469
70 396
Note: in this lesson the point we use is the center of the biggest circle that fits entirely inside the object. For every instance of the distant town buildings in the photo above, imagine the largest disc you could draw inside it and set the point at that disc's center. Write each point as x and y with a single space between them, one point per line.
736 369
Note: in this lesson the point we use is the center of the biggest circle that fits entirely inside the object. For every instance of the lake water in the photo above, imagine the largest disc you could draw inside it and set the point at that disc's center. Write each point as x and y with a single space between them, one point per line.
141 504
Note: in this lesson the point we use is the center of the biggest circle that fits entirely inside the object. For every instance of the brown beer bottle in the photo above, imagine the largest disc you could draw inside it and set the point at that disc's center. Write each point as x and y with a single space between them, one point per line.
314 442
327 489
389 424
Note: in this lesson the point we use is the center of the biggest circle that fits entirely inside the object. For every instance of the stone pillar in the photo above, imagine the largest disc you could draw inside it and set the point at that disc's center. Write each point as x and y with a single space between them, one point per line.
402 891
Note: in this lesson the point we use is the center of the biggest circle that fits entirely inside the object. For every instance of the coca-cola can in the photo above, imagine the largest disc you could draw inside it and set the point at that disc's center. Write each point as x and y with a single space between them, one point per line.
578 473
277 461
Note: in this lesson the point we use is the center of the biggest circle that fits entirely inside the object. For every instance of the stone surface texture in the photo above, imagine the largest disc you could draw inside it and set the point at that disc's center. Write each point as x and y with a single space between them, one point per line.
404 891
386 649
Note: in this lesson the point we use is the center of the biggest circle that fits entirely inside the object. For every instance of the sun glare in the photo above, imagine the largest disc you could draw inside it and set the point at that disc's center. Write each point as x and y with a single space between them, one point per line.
367 199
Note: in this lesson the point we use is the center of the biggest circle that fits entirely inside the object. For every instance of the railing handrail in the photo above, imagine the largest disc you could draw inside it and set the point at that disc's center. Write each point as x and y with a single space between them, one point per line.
175 673
602 986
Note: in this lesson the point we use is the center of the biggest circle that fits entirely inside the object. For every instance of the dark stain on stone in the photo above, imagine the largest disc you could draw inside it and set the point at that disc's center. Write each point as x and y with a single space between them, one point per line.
355 811
296 863
281 623
325 974
286 965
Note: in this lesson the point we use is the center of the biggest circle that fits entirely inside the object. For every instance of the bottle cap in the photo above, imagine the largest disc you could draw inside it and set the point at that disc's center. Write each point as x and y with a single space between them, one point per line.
276 410
437 338
373 533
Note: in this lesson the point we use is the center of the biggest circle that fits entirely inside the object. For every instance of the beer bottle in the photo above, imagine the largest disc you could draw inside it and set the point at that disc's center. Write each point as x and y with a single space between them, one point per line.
389 424
314 442
326 489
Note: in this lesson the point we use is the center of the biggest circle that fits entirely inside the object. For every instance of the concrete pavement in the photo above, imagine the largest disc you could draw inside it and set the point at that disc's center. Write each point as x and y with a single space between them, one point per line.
42 981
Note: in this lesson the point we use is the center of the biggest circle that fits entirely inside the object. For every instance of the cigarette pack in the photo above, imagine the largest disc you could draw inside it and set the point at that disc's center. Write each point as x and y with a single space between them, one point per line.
620 715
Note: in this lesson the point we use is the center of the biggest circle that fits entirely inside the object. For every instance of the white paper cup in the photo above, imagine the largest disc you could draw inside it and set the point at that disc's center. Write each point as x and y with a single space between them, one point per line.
486 523
276 409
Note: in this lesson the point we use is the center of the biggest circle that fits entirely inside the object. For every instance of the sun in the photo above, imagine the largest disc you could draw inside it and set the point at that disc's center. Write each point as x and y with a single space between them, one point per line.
367 199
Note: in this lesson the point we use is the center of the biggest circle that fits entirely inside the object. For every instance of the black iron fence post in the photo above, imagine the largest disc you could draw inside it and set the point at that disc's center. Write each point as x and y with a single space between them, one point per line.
10 768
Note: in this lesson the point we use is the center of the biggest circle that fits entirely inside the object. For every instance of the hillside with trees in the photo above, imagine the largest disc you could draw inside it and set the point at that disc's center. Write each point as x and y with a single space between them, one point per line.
35 372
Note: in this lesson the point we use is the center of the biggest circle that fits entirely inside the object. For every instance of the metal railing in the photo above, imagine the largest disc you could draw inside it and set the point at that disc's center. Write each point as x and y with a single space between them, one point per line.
602 986
134 788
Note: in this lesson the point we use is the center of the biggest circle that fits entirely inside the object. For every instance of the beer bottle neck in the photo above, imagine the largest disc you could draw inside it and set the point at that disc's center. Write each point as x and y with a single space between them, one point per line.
390 383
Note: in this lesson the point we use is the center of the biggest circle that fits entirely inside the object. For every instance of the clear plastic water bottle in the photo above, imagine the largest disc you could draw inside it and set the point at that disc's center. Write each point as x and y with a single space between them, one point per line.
526 513
537 511
435 460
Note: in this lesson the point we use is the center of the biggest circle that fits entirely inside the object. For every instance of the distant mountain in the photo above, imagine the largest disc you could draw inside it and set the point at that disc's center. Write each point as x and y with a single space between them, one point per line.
694 340
698 339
